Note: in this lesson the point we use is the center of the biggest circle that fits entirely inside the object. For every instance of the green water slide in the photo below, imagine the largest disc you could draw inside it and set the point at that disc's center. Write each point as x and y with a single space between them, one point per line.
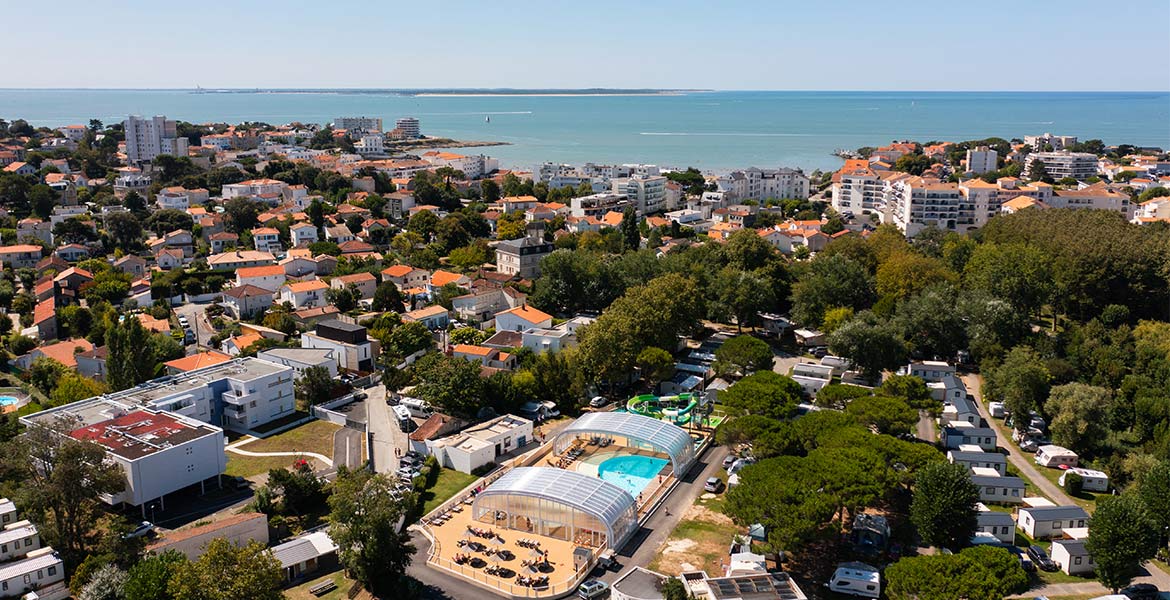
652 406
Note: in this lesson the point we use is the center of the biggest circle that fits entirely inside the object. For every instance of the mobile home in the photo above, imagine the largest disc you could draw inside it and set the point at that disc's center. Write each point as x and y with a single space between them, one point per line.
1091 479
856 579
1054 456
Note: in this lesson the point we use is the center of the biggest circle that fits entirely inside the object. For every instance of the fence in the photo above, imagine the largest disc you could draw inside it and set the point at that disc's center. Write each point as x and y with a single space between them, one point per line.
554 589
325 414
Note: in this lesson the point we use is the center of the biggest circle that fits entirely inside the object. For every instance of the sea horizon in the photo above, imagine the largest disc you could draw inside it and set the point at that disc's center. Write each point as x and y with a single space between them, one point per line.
713 130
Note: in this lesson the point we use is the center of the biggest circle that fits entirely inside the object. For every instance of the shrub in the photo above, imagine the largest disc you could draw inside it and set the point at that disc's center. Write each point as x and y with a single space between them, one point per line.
1073 483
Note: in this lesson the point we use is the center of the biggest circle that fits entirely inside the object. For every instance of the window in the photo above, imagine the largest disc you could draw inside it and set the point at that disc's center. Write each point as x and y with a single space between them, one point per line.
1056 524
1076 560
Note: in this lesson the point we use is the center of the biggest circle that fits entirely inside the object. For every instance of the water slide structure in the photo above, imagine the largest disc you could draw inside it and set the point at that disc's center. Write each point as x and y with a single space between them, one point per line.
675 408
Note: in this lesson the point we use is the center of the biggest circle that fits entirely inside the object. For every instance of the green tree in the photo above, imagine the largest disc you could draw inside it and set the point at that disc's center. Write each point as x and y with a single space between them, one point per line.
943 509
979 573
631 237
148 578
344 298
44 373
452 385
911 389
1038 171
764 393
673 589
63 481
315 386
42 198
387 297
831 281
835 318
1079 416
1020 382
914 164
489 191
891 416
408 338
467 335
1121 537
872 345
167 220
655 364
1154 491
301 491
125 230
742 354
470 256
130 361
742 295
1017 273
72 387
226 571
905 274
363 520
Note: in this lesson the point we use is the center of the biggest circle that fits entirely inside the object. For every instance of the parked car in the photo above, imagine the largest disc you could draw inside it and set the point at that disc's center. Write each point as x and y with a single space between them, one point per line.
361 395
713 485
1141 591
408 472
608 561
730 460
239 483
143 528
1029 446
592 589
183 320
1040 557
598 402
413 454
819 351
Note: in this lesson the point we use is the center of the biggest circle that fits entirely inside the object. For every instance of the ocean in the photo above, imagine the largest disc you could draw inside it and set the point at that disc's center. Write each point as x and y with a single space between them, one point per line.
708 130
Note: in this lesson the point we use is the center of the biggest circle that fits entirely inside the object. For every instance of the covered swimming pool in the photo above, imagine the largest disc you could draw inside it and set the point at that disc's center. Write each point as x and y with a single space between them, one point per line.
632 431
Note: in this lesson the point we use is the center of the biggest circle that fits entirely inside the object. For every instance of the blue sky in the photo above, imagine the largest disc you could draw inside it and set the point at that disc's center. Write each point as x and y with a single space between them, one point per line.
762 45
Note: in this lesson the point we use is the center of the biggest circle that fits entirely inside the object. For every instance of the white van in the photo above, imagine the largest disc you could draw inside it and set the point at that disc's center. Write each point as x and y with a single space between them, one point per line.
417 408
856 579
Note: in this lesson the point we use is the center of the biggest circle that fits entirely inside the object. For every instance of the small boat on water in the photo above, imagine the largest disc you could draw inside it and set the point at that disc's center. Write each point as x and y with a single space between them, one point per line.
487 119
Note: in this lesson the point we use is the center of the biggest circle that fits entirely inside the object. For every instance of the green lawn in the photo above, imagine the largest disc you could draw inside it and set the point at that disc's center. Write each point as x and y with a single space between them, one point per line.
249 466
301 592
314 436
449 483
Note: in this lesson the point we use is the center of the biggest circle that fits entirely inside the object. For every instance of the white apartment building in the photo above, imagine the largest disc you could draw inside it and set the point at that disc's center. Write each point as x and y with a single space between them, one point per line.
236 395
370 144
131 182
408 127
521 257
982 160
359 124
914 203
473 167
1058 142
254 187
648 192
480 444
596 205
147 138
761 184
300 359
859 189
1061 164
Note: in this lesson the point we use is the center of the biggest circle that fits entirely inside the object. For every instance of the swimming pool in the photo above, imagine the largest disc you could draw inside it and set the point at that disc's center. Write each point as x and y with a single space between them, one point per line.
8 400
631 473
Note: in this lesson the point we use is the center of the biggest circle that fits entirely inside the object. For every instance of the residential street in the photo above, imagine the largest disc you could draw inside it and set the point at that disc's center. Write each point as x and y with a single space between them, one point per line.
197 316
384 428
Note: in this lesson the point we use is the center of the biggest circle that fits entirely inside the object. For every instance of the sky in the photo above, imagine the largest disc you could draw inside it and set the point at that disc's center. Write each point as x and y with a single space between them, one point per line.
726 45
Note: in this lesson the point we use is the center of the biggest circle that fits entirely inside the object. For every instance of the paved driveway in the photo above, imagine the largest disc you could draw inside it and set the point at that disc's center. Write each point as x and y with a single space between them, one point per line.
347 448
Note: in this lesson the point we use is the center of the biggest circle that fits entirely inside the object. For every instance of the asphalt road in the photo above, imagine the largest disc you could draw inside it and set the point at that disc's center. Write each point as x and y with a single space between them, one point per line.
384 427
197 317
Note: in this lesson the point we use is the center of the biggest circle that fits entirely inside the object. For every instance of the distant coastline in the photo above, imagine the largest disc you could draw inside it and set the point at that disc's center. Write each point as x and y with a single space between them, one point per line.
458 92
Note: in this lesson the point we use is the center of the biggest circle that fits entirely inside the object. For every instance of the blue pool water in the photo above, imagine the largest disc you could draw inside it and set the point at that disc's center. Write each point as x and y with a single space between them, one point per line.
631 473
8 400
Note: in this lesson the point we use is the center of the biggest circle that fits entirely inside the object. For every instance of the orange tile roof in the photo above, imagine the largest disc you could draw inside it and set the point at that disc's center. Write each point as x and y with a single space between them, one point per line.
265 231
612 218
357 277
198 361
156 325
45 310
307 286
397 270
528 313
261 271
241 342
442 278
472 349
64 352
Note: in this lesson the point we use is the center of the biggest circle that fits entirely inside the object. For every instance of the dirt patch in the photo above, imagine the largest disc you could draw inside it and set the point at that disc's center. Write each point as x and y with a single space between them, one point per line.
698 512
700 542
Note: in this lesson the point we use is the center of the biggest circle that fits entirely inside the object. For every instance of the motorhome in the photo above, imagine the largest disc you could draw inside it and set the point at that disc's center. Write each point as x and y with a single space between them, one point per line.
405 423
856 579
418 408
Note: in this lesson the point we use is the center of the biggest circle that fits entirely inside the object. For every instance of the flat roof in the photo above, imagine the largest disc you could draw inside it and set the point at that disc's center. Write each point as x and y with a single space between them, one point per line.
765 586
141 433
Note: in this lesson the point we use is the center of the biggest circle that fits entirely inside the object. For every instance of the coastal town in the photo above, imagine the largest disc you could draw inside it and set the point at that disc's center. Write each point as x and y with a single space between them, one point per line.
342 360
